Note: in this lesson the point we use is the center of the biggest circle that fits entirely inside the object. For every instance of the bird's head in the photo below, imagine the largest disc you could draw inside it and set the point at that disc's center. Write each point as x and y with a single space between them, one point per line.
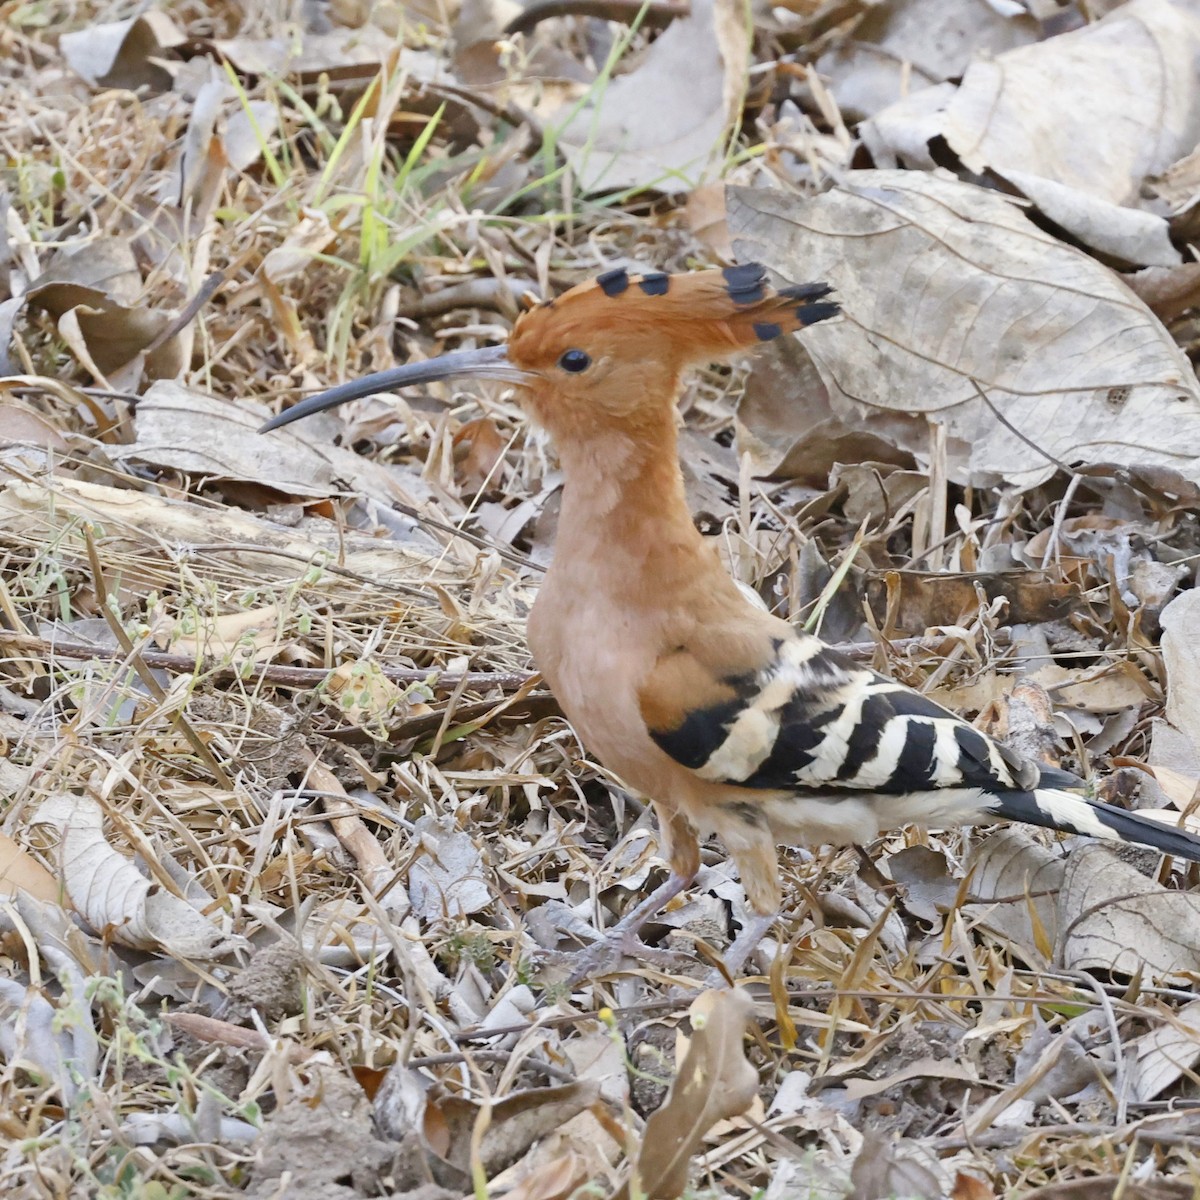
608 354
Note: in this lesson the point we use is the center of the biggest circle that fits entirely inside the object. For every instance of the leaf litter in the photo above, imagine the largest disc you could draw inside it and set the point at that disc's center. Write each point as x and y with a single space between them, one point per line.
291 830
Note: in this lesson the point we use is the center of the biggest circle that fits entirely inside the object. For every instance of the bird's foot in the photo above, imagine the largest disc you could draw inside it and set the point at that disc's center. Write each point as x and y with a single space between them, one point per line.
605 956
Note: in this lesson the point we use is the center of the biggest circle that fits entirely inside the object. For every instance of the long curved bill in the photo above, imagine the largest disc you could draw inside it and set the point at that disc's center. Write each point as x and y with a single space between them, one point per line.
489 363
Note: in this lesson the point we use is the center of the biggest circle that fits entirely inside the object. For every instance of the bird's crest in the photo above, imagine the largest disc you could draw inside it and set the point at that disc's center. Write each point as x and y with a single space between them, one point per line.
702 313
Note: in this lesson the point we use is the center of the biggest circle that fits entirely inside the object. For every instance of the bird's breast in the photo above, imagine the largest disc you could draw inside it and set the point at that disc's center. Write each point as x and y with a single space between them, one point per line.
594 654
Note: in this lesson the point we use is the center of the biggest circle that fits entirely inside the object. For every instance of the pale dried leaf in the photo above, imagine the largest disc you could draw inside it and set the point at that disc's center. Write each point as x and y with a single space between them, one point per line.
1097 109
663 125
1023 879
19 426
182 429
252 636
1126 234
447 878
344 50
1181 656
1070 357
1165 1054
113 897
902 46
1113 918
44 1038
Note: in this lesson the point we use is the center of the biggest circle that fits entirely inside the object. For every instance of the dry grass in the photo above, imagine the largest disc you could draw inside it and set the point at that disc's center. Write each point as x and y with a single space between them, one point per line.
304 809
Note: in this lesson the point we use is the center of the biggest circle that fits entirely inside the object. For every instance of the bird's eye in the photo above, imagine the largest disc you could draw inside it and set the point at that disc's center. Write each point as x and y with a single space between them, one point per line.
575 361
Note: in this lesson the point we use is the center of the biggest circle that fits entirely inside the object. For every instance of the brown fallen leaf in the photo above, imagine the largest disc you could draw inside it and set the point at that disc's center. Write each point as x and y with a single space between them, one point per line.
714 1082
886 1167
1168 291
1072 366
478 452
971 1187
928 599
514 1122
124 54
555 1180
95 293
21 872
20 426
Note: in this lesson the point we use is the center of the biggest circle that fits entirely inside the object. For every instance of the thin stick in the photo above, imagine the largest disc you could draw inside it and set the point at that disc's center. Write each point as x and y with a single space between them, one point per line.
308 677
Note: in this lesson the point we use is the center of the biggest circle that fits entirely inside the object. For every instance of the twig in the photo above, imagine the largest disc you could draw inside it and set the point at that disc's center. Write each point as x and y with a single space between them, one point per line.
204 293
281 676
308 677
658 13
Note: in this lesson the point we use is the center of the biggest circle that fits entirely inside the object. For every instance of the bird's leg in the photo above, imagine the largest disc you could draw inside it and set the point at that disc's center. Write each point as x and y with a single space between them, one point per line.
682 849
622 941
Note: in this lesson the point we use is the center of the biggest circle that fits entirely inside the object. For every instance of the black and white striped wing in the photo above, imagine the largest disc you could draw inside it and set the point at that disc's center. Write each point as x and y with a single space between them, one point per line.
811 720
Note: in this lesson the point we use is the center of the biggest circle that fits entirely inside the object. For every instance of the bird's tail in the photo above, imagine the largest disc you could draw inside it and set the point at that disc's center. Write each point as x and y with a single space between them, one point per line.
1055 809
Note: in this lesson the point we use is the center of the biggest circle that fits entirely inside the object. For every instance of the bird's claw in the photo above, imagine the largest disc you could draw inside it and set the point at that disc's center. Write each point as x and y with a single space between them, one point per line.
605 955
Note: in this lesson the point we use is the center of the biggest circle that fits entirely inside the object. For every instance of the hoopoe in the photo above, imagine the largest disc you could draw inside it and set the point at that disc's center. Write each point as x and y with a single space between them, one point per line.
726 717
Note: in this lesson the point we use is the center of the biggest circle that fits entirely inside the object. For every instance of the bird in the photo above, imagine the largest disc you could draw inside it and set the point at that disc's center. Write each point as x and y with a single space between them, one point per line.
726 717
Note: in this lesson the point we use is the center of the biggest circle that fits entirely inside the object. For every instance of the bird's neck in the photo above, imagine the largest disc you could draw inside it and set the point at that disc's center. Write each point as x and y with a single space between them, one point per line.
624 505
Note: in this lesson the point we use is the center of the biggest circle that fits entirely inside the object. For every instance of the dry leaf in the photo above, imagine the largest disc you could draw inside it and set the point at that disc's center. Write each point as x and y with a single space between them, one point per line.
555 1180
446 878
1166 1054
1097 109
1113 918
252 636
884 1167
704 213
95 292
181 429
1023 879
664 124
902 46
113 897
344 53
21 872
970 1187
366 696
58 1043
1106 1187
1073 361
19 426
1181 656
478 452
714 1082
514 1122
121 54
1182 790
